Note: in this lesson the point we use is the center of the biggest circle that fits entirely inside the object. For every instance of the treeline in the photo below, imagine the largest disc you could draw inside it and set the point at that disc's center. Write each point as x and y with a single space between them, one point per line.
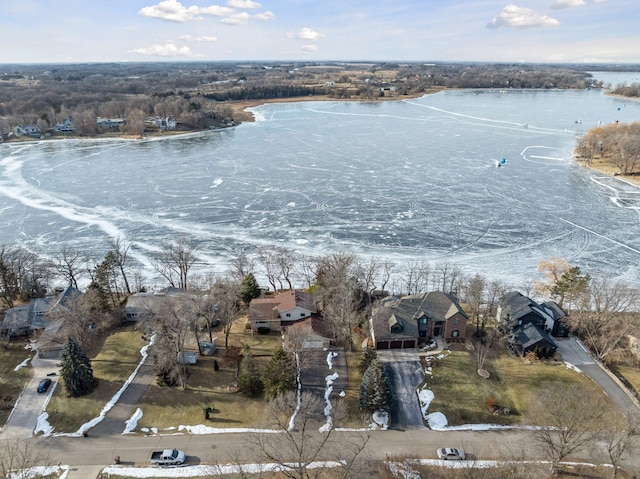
632 90
617 144
195 94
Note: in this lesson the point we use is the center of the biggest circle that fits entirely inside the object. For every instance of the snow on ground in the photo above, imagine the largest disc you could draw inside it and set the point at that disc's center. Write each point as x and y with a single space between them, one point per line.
327 398
380 420
202 429
22 364
131 423
203 471
571 366
39 471
292 419
475 464
330 357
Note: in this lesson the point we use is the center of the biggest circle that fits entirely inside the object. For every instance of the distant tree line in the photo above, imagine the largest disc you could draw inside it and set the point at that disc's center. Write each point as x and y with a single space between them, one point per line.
617 144
195 94
632 90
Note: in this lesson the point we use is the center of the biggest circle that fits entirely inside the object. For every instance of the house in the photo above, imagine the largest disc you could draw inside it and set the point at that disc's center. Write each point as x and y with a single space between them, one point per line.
310 333
532 338
42 317
110 123
405 322
28 130
65 127
282 309
519 309
164 123
145 305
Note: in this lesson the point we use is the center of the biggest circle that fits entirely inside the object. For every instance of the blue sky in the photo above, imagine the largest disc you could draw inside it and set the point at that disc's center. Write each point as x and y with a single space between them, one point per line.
47 31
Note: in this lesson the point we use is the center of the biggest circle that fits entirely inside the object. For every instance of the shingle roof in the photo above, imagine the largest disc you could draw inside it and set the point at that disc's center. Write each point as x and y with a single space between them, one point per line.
530 334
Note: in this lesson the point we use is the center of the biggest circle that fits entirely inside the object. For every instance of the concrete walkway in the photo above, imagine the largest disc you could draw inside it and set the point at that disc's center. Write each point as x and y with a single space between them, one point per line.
84 472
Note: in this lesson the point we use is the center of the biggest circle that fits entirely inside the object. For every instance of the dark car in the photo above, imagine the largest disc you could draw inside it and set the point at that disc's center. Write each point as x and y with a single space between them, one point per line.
44 385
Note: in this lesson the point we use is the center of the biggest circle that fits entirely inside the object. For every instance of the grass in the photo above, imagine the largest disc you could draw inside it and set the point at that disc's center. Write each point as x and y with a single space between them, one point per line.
13 382
116 361
461 394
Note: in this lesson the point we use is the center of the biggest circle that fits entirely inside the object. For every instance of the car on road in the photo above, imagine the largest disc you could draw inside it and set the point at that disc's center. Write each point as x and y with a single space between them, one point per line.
451 454
43 385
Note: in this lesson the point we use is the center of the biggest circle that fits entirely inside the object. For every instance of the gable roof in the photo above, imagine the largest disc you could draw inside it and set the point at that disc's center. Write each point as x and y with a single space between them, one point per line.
516 306
403 313
531 334
264 309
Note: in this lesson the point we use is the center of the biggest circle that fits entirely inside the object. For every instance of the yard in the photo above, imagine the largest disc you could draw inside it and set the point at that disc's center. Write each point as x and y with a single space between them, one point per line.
12 382
117 359
463 396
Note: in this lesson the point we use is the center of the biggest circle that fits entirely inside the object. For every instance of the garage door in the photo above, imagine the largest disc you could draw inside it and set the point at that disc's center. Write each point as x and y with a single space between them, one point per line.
409 343
382 345
396 344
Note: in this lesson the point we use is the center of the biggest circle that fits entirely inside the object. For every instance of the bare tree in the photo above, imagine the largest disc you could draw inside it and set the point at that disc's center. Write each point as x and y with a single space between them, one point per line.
416 276
241 266
267 257
120 247
388 270
286 261
307 269
176 261
617 435
567 423
19 458
602 320
300 443
226 295
71 264
474 290
446 277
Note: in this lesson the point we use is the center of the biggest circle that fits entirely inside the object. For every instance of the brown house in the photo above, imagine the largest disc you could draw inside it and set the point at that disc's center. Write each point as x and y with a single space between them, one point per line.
282 309
409 321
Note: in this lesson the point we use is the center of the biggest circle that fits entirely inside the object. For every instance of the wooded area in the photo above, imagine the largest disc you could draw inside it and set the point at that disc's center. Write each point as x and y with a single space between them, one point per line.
200 95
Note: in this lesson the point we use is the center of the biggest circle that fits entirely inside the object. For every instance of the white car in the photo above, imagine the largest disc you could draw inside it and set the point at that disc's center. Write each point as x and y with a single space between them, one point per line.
451 454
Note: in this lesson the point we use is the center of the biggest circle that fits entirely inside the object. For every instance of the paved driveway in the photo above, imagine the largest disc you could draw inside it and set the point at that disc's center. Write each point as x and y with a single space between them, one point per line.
405 373
573 352
25 414
314 369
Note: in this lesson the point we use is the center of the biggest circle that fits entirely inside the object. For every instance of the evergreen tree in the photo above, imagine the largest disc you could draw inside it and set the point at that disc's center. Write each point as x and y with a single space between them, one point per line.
368 356
249 380
250 289
280 375
76 370
375 390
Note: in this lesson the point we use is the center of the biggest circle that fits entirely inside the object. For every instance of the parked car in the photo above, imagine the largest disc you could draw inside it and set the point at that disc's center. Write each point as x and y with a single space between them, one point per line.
168 457
451 454
43 385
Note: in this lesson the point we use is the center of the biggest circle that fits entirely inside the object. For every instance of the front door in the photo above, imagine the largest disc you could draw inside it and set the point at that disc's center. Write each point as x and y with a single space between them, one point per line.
437 330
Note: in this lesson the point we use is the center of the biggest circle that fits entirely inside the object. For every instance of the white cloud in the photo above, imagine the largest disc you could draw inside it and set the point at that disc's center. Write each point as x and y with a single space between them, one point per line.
203 38
568 4
265 16
308 48
236 19
243 4
513 16
306 34
166 50
174 11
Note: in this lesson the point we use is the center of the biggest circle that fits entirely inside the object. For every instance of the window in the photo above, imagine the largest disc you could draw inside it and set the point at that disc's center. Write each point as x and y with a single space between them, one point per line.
456 321
302 315
455 333
288 315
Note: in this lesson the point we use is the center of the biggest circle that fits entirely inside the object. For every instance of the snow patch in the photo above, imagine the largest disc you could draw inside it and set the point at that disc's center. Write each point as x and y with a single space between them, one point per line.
571 366
131 423
22 364
330 357
42 425
201 429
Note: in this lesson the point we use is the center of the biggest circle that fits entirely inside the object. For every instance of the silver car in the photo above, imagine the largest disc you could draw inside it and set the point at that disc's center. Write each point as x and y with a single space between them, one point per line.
451 454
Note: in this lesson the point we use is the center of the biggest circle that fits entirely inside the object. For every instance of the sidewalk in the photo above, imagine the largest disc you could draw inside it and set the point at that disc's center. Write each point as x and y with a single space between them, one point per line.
84 472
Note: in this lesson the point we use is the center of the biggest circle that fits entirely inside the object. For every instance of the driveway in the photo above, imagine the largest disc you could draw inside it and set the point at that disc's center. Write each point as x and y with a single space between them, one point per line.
314 369
405 372
573 352
24 416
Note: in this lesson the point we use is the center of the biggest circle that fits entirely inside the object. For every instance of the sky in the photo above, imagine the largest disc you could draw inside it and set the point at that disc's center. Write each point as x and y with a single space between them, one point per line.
80 31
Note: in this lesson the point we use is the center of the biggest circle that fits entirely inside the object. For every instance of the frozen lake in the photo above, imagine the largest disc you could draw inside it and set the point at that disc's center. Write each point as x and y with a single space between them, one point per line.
403 180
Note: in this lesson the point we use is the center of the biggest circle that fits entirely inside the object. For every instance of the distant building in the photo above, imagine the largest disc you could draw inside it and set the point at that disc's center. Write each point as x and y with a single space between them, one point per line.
110 123
162 123
64 127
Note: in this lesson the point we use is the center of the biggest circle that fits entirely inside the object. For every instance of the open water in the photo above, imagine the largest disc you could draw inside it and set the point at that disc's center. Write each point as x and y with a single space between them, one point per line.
403 180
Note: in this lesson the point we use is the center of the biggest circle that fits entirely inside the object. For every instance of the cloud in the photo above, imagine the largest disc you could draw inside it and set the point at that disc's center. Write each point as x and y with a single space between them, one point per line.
308 48
236 19
166 50
568 4
264 16
174 11
203 38
243 4
306 34
513 16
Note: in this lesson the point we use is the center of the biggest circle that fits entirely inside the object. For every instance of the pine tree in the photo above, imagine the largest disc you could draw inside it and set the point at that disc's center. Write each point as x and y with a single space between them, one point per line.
368 356
375 390
76 370
280 375
250 289
249 380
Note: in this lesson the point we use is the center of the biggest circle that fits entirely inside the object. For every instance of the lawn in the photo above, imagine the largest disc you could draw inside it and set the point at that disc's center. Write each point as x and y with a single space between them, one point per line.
462 395
12 382
117 359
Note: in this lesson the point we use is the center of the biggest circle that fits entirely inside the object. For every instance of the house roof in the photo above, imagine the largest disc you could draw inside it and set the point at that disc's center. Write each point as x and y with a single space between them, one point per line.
516 306
265 309
404 313
531 334
34 315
